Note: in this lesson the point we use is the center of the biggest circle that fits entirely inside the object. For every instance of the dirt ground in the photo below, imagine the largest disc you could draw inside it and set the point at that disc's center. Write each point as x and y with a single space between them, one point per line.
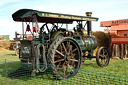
4 44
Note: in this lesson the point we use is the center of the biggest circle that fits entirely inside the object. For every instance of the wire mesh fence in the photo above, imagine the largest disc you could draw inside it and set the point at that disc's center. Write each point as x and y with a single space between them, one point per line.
12 73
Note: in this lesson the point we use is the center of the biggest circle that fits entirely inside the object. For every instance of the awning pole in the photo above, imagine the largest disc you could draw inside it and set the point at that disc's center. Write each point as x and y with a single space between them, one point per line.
23 29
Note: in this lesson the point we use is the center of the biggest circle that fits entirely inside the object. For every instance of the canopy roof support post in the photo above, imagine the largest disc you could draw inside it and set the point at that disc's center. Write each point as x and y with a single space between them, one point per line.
23 29
66 26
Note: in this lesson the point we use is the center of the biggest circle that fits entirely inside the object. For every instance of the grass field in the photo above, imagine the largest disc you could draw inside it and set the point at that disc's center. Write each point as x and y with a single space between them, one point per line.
89 73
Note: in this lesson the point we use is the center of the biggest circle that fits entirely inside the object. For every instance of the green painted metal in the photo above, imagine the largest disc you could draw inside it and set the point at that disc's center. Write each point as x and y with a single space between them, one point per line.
43 41
80 42
89 43
85 43
57 34
36 42
66 16
49 17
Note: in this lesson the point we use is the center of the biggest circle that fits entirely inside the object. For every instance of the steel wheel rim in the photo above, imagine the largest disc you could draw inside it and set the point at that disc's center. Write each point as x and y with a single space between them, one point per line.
103 57
67 58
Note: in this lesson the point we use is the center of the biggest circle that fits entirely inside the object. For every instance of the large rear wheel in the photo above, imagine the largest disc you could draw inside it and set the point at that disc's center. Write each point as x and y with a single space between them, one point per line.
65 57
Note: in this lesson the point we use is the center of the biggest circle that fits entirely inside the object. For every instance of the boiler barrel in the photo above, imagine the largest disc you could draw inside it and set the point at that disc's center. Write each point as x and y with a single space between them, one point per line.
89 43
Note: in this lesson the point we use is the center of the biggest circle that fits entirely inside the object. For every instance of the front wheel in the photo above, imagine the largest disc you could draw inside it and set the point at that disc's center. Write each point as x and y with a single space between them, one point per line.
102 57
65 57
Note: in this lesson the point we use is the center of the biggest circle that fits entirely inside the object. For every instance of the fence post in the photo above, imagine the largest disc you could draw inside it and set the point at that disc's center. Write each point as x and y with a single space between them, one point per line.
5 72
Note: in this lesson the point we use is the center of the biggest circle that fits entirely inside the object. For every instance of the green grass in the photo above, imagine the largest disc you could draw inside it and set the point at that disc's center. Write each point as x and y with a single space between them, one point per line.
116 66
90 73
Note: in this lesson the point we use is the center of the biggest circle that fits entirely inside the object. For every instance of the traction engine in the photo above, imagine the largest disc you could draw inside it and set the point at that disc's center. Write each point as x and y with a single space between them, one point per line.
55 47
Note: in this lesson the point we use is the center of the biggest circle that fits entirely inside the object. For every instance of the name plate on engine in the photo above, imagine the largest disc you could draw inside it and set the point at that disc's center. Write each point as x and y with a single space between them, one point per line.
26 51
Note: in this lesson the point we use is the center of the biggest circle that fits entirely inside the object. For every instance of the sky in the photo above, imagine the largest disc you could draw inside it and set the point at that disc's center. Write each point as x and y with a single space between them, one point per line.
105 10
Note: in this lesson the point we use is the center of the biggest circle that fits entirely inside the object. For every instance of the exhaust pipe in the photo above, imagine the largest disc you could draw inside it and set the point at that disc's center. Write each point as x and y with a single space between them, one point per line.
89 27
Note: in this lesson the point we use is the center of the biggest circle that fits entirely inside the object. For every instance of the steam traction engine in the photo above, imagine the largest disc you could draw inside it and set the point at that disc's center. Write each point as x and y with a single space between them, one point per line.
55 46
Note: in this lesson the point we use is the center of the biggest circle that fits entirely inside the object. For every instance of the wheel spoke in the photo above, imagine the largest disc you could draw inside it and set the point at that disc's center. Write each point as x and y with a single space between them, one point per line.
58 64
74 60
65 57
57 56
62 67
60 53
69 49
103 51
70 67
73 51
71 63
64 47
61 50
68 45
72 56
100 55
58 60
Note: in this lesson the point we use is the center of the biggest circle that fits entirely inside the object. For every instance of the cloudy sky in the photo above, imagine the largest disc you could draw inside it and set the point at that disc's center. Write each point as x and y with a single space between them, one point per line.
103 9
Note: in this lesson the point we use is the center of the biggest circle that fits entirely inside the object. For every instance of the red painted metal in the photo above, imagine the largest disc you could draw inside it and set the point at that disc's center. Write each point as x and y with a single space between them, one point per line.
119 40
118 31
113 23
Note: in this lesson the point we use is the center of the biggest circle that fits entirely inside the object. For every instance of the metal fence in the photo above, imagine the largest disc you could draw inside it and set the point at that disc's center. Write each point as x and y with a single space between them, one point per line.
11 73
